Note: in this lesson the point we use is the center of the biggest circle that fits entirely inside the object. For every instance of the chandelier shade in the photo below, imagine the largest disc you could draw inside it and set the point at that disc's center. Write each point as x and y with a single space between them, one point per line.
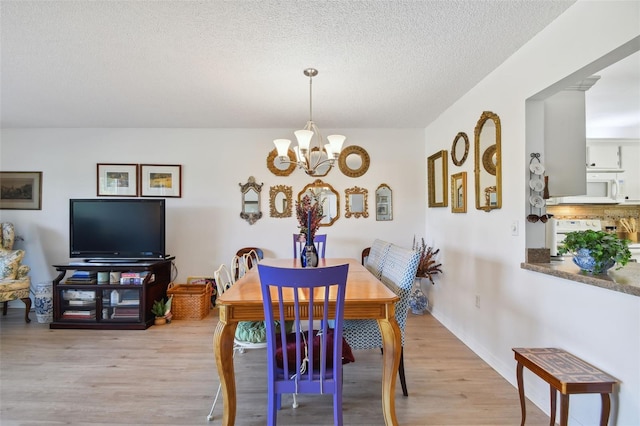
311 152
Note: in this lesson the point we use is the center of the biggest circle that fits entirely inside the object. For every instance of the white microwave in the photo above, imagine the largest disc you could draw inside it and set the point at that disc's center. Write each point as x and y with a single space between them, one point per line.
603 187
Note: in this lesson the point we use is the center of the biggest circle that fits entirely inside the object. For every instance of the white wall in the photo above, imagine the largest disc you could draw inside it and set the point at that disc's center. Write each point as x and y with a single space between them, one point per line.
204 228
520 308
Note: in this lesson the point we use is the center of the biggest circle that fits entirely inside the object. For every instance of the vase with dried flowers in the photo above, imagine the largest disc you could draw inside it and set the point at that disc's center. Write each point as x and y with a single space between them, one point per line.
428 267
309 214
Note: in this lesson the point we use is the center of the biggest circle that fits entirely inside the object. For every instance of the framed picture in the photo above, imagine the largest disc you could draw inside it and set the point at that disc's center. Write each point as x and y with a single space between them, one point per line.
117 180
21 190
158 180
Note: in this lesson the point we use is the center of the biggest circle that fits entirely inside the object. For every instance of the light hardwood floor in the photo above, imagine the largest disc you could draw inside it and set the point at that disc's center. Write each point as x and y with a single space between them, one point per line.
166 375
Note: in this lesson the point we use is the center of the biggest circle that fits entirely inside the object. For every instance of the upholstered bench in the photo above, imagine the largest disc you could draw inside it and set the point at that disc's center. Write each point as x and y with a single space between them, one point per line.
566 373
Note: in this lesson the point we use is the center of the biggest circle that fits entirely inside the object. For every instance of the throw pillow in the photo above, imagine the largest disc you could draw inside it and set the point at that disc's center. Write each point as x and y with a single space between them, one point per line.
9 263
251 331
347 354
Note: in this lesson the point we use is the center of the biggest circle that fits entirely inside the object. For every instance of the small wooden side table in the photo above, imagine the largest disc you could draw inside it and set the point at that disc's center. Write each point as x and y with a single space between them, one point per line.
565 373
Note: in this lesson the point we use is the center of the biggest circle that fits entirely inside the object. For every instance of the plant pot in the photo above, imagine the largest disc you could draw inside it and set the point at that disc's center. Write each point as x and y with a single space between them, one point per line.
588 264
160 321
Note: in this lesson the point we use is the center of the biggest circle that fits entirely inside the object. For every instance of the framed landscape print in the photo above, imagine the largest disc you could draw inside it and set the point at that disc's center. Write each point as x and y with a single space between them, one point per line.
159 180
21 190
117 180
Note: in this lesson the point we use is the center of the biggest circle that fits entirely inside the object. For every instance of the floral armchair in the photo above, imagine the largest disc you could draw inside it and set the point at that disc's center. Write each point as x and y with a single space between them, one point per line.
14 277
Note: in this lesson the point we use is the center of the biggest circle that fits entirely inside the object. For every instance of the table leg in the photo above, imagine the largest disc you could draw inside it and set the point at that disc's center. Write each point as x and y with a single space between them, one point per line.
391 345
606 408
553 396
564 409
223 351
523 408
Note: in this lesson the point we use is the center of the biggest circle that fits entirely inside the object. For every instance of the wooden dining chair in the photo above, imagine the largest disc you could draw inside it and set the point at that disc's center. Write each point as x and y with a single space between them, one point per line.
237 267
250 260
398 273
249 334
245 250
320 241
365 254
308 361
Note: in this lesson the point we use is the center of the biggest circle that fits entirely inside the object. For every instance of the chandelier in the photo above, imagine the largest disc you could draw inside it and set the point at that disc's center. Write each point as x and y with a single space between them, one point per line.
312 156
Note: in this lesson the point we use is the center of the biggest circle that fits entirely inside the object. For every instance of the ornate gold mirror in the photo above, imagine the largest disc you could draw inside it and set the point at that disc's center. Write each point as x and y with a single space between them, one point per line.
328 196
280 201
279 167
438 177
354 161
250 210
459 192
460 149
488 166
384 202
356 202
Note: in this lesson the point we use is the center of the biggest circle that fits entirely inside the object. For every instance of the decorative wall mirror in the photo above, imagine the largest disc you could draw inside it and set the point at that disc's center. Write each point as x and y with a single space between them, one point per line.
459 192
460 149
356 202
250 209
438 177
488 166
328 196
279 167
280 201
354 161
384 202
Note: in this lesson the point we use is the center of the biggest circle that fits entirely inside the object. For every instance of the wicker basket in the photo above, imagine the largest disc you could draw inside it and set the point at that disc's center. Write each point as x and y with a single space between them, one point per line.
190 301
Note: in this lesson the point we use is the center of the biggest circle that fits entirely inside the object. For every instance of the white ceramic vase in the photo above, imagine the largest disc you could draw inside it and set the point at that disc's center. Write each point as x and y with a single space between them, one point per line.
44 302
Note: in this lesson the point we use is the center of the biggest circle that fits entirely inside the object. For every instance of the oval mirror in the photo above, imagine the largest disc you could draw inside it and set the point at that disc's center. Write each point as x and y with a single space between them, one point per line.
356 204
384 202
280 198
488 168
279 167
326 195
460 149
250 202
354 161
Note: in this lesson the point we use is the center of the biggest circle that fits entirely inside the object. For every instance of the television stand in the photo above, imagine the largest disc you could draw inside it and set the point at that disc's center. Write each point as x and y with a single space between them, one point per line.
108 261
93 305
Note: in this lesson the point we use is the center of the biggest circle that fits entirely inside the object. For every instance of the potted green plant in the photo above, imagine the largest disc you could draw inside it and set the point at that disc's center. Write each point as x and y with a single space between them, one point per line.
161 310
596 251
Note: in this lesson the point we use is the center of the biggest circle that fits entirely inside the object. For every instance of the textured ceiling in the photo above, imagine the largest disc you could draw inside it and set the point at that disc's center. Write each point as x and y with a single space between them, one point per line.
238 64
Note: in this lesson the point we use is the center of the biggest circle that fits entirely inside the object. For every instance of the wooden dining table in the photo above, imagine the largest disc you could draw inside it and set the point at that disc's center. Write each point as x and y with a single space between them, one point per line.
366 298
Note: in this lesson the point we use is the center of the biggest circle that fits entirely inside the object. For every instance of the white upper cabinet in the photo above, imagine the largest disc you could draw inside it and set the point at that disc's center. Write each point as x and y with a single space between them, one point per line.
564 143
606 155
618 154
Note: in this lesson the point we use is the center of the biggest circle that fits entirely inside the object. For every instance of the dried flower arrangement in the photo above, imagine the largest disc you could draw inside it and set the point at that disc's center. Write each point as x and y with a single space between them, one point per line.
309 214
427 265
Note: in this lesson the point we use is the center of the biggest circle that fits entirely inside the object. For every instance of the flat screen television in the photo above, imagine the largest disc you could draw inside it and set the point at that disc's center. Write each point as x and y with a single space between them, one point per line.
117 229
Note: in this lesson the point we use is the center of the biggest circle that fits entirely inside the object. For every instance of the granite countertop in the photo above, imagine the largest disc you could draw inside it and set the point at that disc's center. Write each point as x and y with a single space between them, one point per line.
625 280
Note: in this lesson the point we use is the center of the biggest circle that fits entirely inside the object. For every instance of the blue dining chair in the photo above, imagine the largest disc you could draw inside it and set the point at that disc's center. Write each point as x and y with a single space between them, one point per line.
291 366
320 241
398 272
